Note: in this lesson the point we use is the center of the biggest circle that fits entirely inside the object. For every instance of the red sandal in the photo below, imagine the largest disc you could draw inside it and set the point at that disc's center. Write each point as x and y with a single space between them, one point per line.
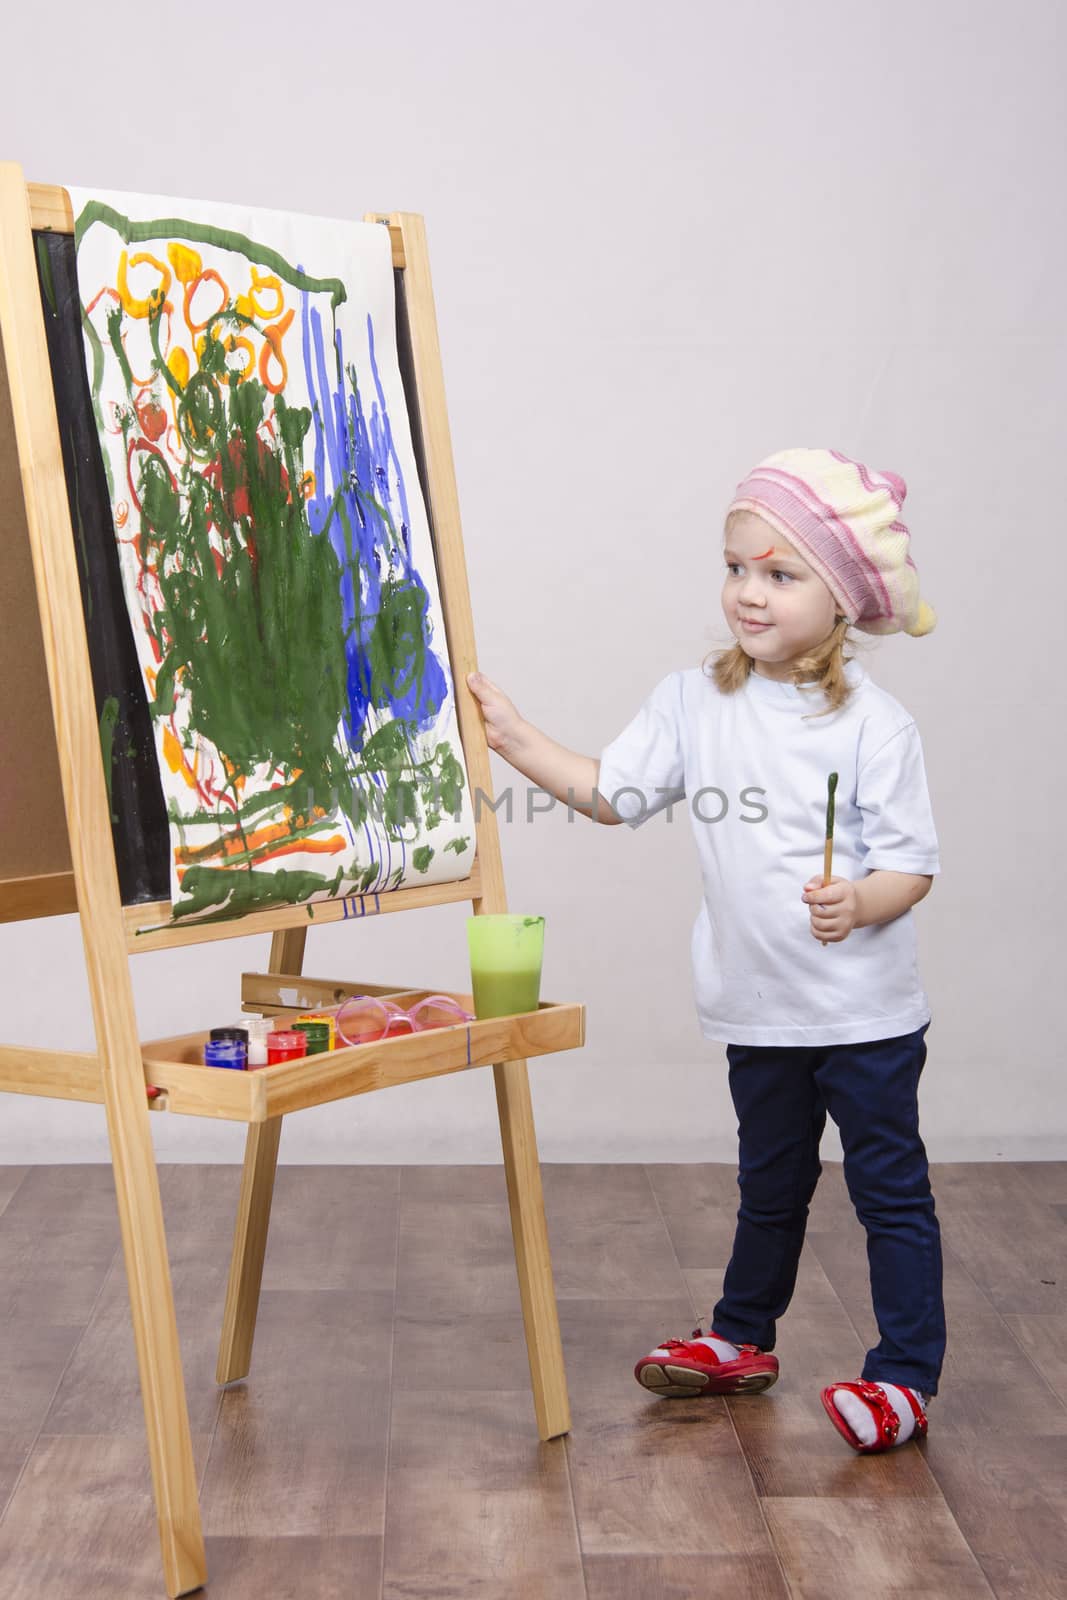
678 1369
885 1418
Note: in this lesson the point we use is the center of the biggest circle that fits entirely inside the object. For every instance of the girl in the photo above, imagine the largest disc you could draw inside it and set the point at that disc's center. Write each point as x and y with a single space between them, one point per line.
814 989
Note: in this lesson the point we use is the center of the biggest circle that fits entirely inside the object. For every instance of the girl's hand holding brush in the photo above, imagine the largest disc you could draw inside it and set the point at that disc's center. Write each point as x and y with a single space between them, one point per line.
834 907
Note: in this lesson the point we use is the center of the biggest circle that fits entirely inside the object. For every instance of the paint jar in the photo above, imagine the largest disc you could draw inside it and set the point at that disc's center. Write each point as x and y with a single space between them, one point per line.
285 1044
505 953
317 1034
226 1053
320 1016
234 1032
258 1034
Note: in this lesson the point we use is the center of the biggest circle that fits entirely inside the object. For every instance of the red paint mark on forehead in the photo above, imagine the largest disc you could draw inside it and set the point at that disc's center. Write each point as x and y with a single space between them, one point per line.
765 554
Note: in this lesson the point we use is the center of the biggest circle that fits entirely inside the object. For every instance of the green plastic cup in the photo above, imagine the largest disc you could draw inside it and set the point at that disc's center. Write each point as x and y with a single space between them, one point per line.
506 953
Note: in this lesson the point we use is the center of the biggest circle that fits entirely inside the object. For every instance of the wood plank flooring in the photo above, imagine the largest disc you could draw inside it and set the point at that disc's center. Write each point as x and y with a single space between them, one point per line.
384 1448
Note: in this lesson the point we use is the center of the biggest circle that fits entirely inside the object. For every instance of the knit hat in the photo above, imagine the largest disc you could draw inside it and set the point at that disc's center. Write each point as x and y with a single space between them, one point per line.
844 519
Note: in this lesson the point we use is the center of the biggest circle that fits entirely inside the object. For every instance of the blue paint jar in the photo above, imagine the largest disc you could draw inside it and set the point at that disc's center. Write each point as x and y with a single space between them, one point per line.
226 1053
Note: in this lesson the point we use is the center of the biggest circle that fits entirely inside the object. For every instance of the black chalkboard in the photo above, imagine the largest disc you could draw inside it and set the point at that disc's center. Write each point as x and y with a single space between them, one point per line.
138 815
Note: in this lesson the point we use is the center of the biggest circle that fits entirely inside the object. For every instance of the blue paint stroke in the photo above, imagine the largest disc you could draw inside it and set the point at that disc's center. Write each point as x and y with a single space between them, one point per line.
360 500
359 486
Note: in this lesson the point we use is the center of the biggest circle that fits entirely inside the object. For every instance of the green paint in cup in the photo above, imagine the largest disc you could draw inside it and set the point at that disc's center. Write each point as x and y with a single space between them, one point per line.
506 953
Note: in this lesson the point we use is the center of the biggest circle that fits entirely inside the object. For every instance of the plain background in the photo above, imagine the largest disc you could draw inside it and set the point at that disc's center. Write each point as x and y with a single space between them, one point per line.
664 243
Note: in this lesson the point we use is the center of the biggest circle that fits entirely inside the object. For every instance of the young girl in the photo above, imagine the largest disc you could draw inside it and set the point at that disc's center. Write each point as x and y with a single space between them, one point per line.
814 989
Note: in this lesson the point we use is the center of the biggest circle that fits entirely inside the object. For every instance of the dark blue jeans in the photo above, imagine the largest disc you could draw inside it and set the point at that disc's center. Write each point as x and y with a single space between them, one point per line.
781 1095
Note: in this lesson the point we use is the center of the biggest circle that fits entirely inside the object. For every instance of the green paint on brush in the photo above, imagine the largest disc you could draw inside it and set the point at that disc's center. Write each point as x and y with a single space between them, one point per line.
831 789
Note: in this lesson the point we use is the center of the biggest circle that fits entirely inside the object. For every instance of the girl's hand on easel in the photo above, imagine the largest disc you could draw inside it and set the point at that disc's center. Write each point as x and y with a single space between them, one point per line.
834 908
502 721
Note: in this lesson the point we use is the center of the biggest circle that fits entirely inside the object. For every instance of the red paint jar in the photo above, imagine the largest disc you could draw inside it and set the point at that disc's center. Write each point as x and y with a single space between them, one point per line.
283 1045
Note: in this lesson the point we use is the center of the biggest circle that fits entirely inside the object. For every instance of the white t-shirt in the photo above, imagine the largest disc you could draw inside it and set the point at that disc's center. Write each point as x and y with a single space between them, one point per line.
757 771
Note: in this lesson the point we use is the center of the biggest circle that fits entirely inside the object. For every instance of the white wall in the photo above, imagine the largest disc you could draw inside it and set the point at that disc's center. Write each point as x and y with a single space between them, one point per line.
664 243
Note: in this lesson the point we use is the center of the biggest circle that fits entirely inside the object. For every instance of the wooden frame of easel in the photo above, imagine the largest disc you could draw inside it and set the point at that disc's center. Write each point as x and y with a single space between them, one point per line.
116 1075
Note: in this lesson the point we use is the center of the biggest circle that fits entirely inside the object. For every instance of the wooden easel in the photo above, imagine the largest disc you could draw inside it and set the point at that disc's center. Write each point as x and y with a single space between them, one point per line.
54 863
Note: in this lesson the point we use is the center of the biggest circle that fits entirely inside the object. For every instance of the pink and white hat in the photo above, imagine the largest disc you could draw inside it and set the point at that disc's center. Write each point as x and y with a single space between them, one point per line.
844 519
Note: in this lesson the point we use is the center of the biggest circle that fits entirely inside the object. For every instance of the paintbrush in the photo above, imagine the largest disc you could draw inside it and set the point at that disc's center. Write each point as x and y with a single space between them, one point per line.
828 853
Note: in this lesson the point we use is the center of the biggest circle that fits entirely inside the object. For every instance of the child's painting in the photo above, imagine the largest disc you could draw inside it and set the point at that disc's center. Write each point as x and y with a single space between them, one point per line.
275 551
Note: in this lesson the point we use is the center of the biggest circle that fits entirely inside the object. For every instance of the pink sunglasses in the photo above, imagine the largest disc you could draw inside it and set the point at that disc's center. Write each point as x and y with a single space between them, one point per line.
364 1017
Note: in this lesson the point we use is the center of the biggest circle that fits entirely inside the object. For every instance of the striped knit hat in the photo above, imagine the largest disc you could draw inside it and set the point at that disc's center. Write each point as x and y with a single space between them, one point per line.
844 519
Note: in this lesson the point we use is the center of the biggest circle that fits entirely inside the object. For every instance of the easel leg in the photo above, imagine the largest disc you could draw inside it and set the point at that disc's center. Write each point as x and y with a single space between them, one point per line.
253 1210
540 1314
155 1333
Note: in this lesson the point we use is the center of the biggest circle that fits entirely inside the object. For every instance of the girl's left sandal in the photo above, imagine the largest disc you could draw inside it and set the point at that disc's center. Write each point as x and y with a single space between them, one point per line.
882 1411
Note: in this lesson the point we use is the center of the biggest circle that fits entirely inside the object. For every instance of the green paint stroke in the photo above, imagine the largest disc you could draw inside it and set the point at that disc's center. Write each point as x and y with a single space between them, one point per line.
214 894
255 632
204 233
44 262
109 717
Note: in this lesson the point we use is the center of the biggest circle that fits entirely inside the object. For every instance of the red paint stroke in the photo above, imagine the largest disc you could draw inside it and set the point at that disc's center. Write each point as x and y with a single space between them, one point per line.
765 554
152 417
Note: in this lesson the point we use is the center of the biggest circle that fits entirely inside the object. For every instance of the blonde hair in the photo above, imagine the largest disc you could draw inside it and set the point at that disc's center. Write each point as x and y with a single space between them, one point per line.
822 667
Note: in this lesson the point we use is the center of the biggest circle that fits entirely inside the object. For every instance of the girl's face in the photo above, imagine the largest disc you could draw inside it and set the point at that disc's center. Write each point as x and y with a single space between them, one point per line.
769 583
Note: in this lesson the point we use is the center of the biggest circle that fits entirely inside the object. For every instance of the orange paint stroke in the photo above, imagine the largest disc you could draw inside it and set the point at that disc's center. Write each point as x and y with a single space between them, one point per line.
315 847
273 348
131 303
176 758
237 342
249 305
209 275
765 554
262 840
95 301
268 281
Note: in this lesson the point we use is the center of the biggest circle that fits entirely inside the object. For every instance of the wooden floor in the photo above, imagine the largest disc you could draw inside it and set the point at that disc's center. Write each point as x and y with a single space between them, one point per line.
384 1443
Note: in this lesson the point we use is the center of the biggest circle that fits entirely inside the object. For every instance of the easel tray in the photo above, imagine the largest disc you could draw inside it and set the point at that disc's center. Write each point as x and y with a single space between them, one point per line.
175 1065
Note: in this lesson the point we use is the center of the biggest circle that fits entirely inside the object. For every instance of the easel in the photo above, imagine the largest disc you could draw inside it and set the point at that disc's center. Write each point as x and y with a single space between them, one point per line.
71 867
